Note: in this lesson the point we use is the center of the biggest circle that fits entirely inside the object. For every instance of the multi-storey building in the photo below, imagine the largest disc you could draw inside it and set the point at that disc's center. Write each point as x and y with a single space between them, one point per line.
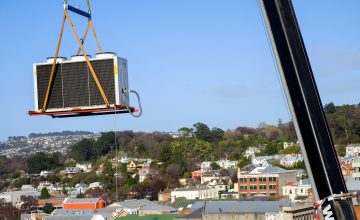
294 189
353 150
267 181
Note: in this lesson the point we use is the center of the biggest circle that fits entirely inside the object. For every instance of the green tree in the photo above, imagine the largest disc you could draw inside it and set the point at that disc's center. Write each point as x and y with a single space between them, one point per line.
329 108
217 134
48 208
44 193
108 178
84 150
105 143
203 132
215 166
41 161
243 162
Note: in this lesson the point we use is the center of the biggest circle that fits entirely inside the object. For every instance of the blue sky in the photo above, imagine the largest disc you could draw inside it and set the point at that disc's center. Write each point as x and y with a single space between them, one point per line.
191 61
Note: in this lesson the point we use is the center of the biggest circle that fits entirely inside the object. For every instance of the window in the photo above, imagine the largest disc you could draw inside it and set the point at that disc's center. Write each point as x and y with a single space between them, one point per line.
272 194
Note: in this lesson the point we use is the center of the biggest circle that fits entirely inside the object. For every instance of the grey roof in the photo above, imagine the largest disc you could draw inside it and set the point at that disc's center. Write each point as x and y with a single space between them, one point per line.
72 211
70 217
274 169
197 205
76 217
161 208
352 184
195 214
245 206
306 181
135 203
81 200
201 187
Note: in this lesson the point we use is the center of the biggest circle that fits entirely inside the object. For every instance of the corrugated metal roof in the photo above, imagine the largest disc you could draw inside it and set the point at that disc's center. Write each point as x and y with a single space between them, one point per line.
81 200
274 169
245 206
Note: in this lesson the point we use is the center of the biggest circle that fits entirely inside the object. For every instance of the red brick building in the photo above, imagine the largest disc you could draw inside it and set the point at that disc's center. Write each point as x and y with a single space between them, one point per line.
266 181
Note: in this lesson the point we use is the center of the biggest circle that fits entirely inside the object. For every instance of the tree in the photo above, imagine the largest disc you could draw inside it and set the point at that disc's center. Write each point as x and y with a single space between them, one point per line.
108 176
186 132
44 193
84 150
203 132
41 161
214 166
217 134
329 108
48 208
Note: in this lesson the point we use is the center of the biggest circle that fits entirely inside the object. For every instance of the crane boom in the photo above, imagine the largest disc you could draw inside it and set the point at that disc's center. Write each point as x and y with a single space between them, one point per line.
304 101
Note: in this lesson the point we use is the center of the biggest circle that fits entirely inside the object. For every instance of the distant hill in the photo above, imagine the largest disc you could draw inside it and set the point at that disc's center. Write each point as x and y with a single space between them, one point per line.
63 133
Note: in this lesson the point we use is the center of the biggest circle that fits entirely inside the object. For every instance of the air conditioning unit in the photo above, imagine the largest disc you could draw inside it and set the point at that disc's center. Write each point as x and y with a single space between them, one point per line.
74 87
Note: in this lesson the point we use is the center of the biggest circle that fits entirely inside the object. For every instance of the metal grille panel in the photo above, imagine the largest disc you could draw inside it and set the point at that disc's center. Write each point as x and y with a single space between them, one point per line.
74 85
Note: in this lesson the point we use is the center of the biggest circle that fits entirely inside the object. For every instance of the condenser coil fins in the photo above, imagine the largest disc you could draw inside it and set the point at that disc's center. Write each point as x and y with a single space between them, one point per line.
74 86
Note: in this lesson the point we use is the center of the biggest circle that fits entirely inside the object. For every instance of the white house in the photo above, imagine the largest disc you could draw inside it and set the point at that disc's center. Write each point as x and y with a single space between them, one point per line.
205 166
95 185
251 151
295 189
353 150
291 160
288 144
26 187
44 184
71 170
201 192
15 196
85 167
226 164
45 173
262 161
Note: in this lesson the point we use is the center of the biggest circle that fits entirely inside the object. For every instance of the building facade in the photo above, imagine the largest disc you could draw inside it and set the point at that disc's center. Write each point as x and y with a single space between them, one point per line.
267 181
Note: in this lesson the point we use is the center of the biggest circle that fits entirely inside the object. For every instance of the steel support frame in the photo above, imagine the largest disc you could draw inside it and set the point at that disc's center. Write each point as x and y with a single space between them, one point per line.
307 111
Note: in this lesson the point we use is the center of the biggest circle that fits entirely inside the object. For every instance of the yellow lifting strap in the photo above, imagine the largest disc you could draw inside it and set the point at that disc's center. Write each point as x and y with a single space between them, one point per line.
81 48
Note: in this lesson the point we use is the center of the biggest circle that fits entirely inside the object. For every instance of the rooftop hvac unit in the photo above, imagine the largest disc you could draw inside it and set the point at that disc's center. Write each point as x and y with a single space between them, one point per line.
74 89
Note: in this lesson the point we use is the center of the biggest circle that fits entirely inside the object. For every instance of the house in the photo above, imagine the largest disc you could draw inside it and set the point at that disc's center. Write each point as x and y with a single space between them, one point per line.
15 197
95 185
291 160
196 174
348 160
266 181
212 175
347 169
147 172
44 184
45 173
226 164
199 192
26 187
251 151
83 203
356 166
85 167
70 171
164 195
205 166
262 161
78 189
296 189
352 150
133 165
288 144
